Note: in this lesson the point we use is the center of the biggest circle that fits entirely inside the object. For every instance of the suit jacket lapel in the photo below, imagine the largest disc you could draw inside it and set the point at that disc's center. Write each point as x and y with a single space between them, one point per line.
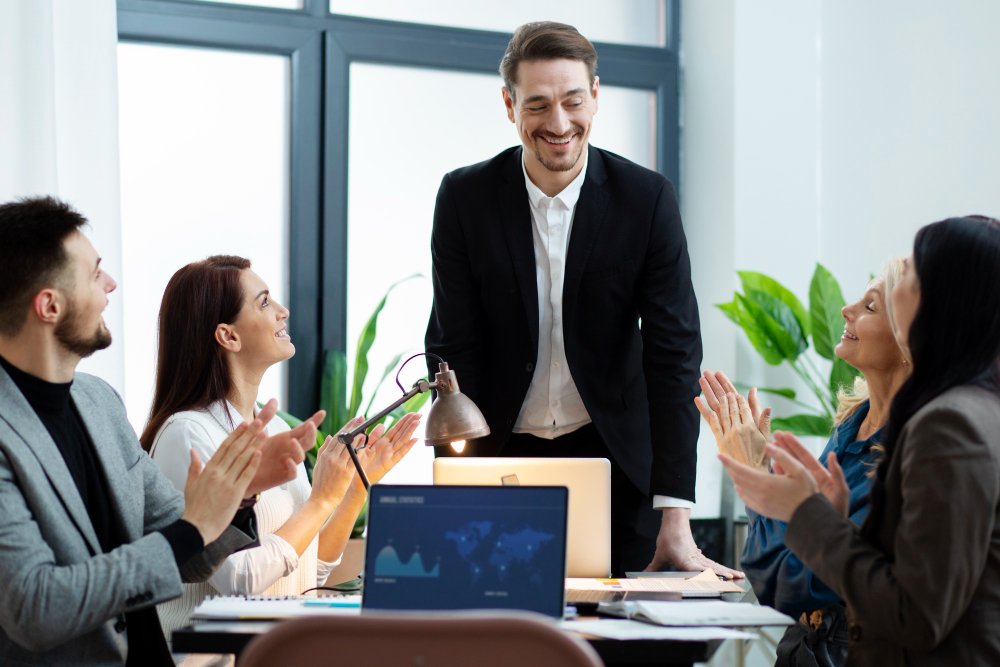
588 219
36 439
515 214
95 420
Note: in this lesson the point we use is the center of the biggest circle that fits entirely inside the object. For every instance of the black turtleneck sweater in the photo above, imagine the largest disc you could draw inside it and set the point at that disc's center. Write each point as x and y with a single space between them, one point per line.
51 402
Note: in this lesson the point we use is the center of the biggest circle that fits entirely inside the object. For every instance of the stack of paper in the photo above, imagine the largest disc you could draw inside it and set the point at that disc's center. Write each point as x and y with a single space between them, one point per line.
613 629
704 584
707 613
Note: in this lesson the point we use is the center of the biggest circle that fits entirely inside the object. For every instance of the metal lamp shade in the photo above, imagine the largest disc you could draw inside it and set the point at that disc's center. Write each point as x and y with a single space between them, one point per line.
453 416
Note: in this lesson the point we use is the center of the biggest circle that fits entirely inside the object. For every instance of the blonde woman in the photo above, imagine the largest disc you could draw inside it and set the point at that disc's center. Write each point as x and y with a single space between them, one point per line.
741 429
921 576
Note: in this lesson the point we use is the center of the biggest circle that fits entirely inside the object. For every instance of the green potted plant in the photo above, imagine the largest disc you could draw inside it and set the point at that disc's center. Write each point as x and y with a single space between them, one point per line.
780 329
342 402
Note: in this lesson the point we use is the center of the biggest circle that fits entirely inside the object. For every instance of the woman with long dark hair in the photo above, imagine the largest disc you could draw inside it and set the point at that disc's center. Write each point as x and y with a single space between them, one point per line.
921 577
220 329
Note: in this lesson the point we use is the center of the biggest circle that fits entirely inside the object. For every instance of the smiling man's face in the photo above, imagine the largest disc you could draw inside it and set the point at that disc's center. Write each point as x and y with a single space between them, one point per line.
553 108
81 329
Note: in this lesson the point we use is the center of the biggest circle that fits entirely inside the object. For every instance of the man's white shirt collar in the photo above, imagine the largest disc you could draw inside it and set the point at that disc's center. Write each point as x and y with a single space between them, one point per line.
568 196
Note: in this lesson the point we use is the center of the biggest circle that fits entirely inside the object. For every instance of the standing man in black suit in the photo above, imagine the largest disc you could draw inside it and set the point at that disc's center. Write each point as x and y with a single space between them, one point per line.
563 301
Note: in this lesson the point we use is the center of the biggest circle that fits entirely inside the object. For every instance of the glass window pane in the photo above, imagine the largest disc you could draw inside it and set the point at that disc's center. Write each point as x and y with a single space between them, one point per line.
638 22
393 183
280 4
204 170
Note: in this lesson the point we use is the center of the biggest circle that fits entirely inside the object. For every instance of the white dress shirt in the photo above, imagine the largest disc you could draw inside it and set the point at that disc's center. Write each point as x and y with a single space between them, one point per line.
552 406
273 568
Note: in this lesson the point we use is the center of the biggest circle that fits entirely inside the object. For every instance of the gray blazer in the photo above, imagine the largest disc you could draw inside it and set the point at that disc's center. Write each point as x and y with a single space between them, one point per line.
59 594
927 592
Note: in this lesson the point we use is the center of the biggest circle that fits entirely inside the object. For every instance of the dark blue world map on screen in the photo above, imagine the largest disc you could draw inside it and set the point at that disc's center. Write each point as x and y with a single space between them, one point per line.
466 548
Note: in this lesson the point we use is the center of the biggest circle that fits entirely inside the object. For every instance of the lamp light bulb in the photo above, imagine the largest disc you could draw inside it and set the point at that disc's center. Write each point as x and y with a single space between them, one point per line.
458 446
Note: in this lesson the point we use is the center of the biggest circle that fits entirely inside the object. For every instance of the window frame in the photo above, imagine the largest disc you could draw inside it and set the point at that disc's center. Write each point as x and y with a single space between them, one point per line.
322 46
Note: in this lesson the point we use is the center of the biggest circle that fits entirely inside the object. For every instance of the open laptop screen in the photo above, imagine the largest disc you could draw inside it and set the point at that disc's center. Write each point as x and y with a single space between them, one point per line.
466 547
588 536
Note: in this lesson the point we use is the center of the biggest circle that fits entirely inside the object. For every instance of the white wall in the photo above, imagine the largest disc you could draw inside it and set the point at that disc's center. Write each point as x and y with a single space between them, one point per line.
826 130
59 126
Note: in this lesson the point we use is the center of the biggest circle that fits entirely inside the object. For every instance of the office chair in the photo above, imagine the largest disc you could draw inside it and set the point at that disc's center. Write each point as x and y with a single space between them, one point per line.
444 639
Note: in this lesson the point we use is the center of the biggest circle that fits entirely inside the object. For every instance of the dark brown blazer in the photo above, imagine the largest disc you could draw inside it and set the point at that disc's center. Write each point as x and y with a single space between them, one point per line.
927 592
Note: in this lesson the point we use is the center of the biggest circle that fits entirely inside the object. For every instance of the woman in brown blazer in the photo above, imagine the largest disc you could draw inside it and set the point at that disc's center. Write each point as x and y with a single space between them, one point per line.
921 577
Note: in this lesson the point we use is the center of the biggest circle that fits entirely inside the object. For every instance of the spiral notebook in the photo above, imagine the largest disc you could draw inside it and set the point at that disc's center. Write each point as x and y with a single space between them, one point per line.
261 608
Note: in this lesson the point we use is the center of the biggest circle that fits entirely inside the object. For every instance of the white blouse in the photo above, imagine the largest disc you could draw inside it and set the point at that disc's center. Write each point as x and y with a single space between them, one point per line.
273 568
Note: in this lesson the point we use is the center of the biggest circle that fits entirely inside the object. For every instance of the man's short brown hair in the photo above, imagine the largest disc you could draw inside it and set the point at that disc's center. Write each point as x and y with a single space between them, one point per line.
546 40
32 254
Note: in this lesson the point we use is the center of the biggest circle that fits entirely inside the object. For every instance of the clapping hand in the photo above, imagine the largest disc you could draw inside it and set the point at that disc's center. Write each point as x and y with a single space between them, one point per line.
213 490
386 448
797 476
830 481
741 428
333 472
282 453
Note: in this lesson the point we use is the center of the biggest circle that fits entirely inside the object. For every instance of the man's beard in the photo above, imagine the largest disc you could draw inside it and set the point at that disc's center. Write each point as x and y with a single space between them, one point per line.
565 164
71 340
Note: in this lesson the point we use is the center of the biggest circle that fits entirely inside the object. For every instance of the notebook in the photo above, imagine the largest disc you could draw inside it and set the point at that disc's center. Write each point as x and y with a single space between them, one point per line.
264 607
710 613
466 547
588 551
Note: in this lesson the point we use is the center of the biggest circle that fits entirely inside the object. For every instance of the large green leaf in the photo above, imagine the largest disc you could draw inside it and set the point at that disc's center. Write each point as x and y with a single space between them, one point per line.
778 338
795 342
365 341
761 342
333 391
778 391
803 424
289 419
825 303
389 368
758 282
412 405
842 377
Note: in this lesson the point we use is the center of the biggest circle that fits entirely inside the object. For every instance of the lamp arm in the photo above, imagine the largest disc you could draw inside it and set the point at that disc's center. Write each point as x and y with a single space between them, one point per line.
419 387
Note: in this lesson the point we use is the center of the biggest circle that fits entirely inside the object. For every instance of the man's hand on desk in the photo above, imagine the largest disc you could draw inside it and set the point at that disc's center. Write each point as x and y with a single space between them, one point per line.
675 546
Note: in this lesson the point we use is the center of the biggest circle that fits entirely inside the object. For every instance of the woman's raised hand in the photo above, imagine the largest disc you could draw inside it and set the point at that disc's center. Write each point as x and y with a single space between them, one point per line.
741 428
334 471
213 490
386 448
282 453
830 481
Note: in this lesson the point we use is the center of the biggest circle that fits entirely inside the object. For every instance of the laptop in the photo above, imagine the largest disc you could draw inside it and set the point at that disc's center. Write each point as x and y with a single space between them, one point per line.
466 547
588 552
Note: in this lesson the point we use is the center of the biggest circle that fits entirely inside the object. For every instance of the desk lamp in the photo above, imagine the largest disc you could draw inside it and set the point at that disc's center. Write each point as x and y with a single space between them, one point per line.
453 417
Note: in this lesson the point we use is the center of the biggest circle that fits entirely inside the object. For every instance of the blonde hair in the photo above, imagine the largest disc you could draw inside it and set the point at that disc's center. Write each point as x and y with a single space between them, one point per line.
850 399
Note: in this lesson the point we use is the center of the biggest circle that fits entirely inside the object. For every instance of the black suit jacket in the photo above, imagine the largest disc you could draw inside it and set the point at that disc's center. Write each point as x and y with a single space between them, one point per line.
627 262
